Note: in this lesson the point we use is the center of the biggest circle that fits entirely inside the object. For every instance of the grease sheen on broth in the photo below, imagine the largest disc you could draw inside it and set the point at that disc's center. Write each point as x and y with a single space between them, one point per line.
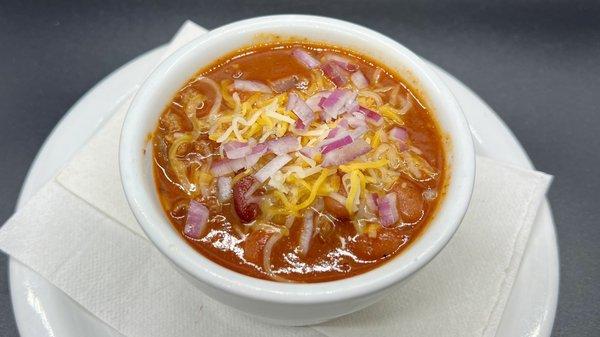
369 168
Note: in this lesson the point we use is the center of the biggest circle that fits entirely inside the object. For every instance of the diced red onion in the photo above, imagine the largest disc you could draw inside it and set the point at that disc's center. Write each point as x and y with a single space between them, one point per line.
346 153
388 211
257 152
341 61
234 144
235 149
314 101
196 220
252 86
301 109
284 145
332 133
358 132
225 166
372 116
372 201
321 101
299 126
224 188
271 167
352 105
239 153
259 148
221 167
400 135
309 151
335 73
291 102
336 144
356 119
305 58
284 84
307 232
344 124
335 103
359 80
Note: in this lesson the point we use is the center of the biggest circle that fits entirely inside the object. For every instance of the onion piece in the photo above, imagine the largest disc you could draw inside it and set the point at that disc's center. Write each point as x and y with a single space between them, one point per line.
221 167
372 201
305 58
309 151
284 145
235 149
284 84
300 109
335 73
257 152
388 210
307 231
271 167
224 188
356 120
352 105
314 101
196 220
400 135
299 126
252 86
336 144
337 102
341 61
225 166
358 132
335 134
372 116
332 133
359 80
346 153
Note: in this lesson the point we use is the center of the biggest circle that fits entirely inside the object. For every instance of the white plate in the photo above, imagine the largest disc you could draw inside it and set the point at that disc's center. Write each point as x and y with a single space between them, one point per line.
43 310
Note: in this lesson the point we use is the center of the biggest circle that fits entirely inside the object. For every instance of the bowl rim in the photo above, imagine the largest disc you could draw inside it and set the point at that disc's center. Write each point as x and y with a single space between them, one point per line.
174 247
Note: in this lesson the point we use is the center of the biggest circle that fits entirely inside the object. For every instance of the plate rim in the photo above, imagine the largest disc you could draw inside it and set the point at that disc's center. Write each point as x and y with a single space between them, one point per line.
547 321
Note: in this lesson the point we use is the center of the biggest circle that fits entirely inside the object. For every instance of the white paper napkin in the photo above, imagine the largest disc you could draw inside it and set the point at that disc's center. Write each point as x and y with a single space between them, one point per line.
79 234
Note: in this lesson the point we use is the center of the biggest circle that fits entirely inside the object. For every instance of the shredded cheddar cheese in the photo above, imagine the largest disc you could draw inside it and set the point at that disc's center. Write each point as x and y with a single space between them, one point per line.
363 165
313 194
353 194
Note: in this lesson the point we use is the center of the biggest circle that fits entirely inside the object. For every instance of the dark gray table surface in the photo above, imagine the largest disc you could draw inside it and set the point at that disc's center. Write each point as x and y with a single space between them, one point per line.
536 63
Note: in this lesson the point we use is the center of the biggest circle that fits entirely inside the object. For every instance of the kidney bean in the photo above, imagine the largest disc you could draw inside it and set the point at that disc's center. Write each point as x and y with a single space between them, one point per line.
245 209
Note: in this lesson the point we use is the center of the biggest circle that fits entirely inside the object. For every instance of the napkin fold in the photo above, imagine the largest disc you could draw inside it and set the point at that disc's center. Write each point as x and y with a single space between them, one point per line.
79 234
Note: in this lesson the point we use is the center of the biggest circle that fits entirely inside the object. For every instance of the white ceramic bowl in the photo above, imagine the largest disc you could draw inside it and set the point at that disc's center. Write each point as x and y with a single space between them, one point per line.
284 303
